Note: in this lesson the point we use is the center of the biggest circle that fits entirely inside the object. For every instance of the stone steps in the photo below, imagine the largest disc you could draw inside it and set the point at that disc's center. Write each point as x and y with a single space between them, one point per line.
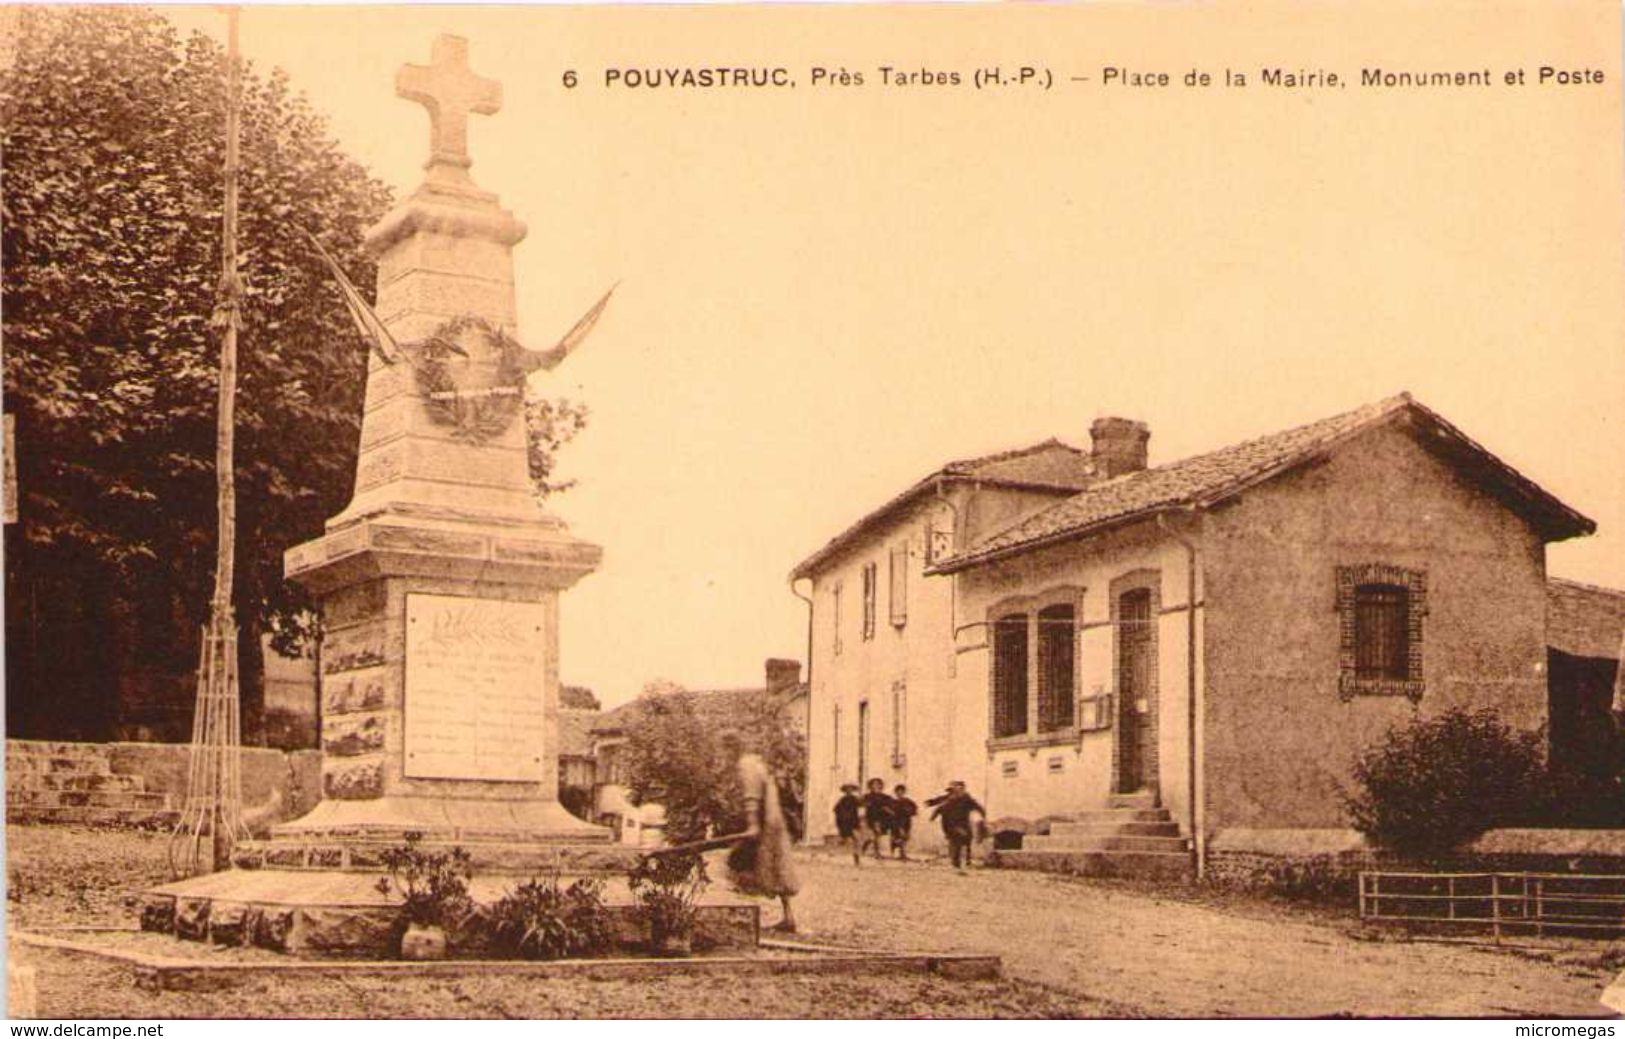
1177 845
86 799
74 783
1165 827
1153 864
27 781
121 818
1131 837
1096 816
59 764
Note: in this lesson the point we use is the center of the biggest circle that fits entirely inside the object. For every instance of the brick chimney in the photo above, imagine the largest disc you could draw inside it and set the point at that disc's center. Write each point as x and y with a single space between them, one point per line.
782 675
1119 445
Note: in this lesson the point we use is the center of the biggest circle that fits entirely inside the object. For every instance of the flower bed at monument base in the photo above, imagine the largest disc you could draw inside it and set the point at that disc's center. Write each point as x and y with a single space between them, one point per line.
344 915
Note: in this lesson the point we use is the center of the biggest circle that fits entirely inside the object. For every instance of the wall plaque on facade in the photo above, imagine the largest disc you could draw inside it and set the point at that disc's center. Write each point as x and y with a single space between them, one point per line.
474 672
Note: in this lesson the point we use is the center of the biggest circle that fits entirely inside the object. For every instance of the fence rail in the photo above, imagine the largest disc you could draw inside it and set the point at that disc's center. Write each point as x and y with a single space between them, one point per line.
1573 903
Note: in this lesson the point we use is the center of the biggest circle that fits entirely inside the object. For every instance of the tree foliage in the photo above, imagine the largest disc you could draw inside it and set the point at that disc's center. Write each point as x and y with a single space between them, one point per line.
674 757
1433 785
550 423
112 130
113 201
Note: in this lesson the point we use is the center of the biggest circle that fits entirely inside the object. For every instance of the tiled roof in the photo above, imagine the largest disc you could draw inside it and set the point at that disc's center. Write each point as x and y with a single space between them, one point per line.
575 732
1049 465
1206 479
1584 620
713 705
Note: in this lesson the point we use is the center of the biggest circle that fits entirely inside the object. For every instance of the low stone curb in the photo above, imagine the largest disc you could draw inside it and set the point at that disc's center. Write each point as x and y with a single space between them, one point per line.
164 973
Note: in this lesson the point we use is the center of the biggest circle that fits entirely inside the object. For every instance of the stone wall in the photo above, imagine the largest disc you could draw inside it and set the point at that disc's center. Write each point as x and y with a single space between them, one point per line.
277 785
1326 863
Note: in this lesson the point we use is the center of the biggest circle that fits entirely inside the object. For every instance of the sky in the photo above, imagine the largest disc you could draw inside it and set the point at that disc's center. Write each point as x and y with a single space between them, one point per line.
826 292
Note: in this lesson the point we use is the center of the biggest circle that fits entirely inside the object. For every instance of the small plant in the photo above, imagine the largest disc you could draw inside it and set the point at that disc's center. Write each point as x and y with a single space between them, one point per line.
433 886
543 920
667 889
1433 785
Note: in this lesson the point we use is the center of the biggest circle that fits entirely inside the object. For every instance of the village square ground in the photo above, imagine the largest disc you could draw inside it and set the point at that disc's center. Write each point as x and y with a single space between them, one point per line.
1071 948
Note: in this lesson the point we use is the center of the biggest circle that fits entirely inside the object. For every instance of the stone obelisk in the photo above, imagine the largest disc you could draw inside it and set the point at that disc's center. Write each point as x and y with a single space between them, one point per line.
439 583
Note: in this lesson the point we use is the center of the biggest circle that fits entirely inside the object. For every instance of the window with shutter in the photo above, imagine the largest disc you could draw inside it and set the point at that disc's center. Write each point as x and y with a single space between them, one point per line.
1057 639
1380 612
835 614
899 585
1010 675
1380 650
870 579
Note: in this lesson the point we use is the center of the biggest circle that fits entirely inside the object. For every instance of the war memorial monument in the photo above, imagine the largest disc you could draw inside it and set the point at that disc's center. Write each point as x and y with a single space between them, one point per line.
439 591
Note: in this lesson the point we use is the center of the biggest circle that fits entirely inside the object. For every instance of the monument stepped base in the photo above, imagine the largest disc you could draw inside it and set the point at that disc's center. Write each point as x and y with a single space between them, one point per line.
514 858
333 913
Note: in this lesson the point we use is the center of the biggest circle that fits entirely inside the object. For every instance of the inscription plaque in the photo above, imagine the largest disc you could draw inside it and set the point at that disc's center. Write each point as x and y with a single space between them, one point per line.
474 672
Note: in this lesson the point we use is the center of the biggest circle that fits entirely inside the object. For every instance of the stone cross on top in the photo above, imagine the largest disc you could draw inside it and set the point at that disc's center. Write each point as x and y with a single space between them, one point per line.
450 90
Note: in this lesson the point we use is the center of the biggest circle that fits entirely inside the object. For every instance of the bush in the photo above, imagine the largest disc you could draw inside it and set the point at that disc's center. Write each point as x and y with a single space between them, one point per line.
1435 784
675 758
667 889
543 920
433 886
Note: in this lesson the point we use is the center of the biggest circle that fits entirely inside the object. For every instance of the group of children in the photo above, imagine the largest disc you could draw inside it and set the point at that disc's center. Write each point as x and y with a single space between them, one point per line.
863 821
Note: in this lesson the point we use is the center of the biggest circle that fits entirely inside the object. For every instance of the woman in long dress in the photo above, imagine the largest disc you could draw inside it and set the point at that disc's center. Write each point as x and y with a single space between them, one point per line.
761 865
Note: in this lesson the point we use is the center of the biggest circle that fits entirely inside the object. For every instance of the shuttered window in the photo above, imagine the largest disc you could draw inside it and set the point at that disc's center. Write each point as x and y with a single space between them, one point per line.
1057 639
870 579
1381 610
1381 644
1010 675
898 602
835 614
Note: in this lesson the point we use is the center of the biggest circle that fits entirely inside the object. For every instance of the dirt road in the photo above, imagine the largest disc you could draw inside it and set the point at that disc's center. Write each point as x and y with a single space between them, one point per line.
1169 957
1070 948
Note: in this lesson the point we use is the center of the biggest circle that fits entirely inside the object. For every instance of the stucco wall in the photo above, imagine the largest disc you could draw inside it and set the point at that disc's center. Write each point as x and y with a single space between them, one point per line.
915 654
1280 740
1084 778
941 733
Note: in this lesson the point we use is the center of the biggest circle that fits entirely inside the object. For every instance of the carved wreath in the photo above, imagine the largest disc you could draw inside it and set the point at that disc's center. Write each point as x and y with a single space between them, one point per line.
477 414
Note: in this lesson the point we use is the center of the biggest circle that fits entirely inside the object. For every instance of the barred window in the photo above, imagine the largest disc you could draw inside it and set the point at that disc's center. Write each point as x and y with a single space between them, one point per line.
1057 639
1381 648
1381 609
1010 675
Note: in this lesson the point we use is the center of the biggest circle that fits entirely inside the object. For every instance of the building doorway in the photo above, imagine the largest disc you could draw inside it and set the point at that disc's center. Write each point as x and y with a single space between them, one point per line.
1136 690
